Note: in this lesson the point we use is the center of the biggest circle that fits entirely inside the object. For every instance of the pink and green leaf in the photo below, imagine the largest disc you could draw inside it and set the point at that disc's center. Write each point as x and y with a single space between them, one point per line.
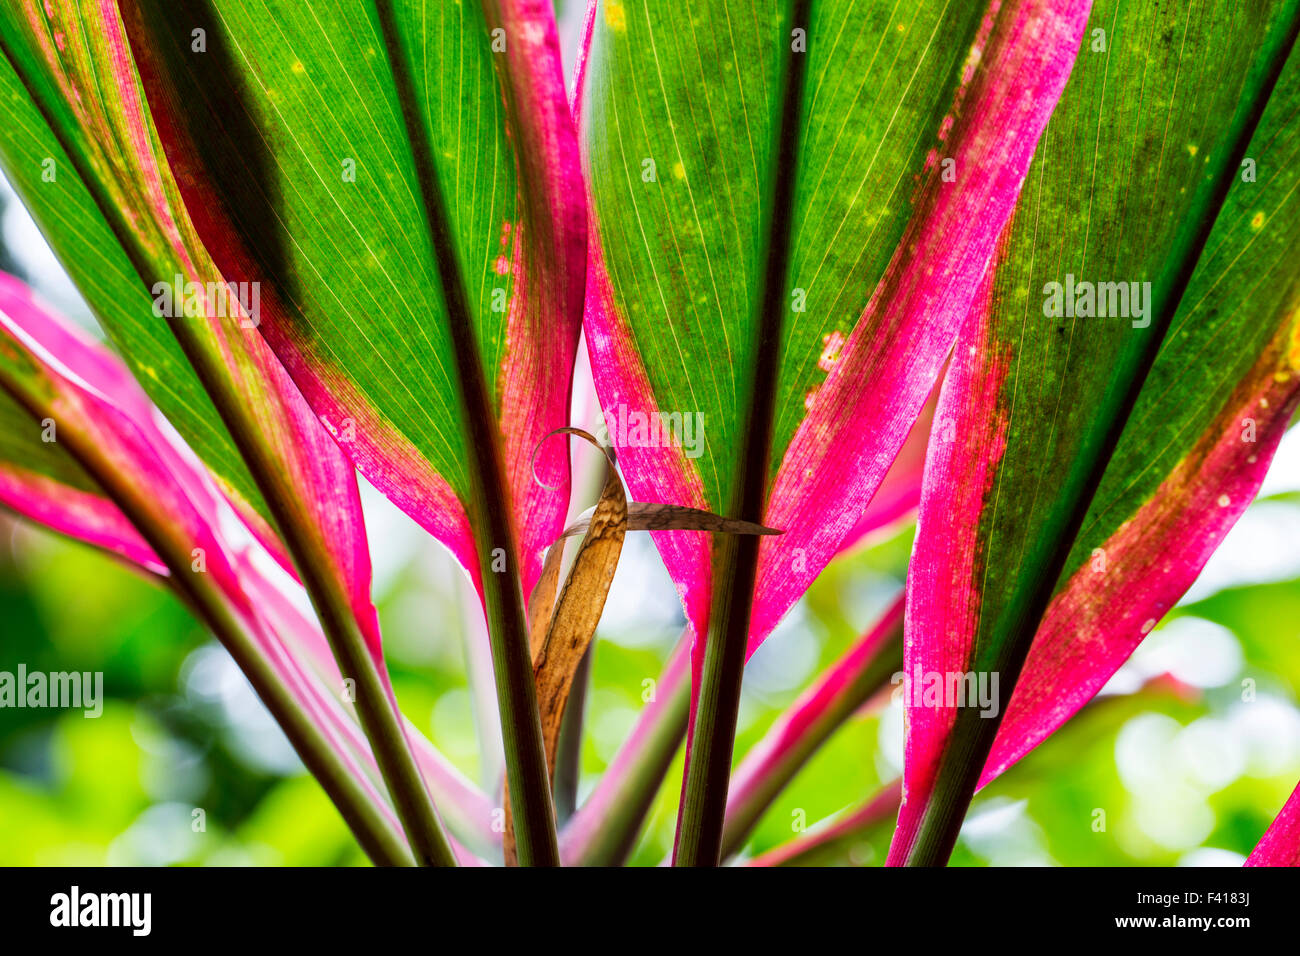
886 254
402 181
70 69
1063 477
783 251
37 478
41 480
73 145
356 302
112 212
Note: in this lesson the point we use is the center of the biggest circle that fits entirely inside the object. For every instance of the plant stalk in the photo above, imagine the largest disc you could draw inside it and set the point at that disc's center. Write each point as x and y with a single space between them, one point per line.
568 756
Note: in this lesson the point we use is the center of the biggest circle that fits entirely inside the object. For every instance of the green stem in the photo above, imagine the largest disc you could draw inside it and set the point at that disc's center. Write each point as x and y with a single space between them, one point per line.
735 565
709 750
568 755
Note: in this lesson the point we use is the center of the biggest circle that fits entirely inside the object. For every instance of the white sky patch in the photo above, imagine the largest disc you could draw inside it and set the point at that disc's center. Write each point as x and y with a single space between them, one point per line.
395 538
642 609
788 658
21 236
1192 649
1002 832
1264 546
889 740
1284 472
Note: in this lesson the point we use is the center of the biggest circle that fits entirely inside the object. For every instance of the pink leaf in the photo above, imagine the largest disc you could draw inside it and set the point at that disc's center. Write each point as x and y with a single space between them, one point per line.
1280 845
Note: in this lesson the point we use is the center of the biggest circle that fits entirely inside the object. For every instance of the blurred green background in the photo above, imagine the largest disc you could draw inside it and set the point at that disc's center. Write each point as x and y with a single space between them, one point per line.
1184 759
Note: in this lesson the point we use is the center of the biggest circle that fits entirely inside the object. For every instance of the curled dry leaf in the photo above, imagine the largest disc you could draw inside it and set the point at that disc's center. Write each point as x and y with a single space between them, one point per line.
560 631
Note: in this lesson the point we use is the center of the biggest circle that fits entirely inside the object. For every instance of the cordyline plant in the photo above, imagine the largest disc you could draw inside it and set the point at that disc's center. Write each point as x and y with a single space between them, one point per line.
1026 267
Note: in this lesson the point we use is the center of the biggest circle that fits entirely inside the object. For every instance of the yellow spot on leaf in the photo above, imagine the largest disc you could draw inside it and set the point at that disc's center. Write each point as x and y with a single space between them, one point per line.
1257 221
1192 149
1293 347
679 170
298 67
616 17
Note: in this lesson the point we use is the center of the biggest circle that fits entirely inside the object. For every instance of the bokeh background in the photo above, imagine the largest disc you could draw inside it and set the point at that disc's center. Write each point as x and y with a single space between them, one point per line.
1189 752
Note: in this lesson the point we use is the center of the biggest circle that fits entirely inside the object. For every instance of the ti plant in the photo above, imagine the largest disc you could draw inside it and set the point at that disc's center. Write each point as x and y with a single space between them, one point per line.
1024 267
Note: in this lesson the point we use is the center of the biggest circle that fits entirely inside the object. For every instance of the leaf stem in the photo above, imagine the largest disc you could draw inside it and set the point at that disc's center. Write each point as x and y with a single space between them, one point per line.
568 756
